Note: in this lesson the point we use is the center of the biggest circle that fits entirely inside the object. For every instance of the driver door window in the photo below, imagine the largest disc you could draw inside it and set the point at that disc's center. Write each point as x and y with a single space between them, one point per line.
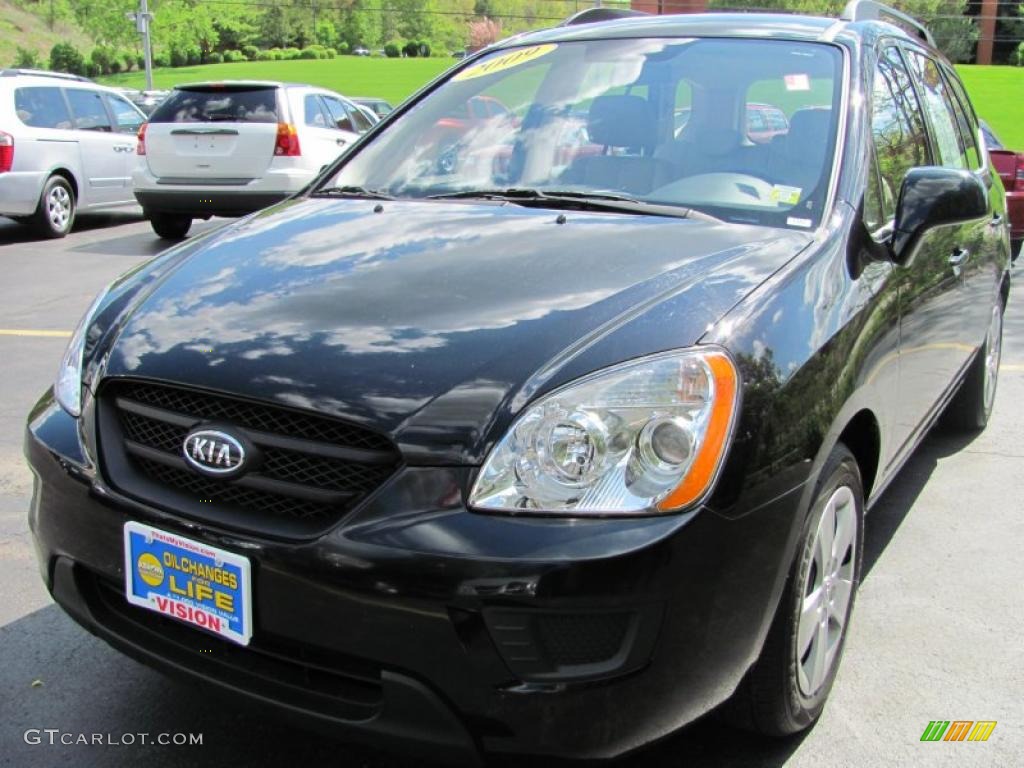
897 129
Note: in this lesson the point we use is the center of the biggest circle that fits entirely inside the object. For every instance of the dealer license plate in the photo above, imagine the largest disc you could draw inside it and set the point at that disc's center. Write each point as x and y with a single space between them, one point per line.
187 580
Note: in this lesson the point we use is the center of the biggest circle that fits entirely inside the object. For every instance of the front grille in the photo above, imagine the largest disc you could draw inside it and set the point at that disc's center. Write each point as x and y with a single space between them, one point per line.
309 470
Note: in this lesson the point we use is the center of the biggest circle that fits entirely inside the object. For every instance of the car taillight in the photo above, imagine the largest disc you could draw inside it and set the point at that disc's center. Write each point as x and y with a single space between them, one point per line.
6 152
1019 175
287 144
140 148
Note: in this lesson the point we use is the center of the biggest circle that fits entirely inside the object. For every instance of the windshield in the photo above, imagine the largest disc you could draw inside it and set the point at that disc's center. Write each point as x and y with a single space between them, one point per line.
743 130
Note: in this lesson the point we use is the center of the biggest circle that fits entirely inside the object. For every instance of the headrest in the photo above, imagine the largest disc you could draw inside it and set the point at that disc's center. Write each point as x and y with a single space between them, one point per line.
808 129
621 121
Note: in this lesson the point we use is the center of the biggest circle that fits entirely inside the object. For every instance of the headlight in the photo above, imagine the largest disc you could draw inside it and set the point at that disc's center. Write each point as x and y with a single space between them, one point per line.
68 387
644 437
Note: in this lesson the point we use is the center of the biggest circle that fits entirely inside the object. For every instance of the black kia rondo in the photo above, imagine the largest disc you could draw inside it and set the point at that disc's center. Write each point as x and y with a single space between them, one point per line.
544 421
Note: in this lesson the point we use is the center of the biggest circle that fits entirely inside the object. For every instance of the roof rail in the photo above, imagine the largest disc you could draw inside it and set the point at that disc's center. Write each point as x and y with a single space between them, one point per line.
592 15
868 10
14 72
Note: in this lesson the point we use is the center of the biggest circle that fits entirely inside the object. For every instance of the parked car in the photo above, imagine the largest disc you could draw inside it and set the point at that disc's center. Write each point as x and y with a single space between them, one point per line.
1009 164
379 107
361 52
519 458
231 148
66 147
148 101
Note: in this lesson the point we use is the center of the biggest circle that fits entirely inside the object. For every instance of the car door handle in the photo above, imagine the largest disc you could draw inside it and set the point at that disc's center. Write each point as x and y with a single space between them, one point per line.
957 259
996 220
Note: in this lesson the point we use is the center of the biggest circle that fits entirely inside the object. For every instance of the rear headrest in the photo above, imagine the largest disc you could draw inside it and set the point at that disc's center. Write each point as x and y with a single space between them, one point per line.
808 130
621 121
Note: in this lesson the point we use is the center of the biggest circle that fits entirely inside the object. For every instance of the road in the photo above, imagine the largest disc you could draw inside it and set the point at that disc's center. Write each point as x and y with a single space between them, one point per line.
936 633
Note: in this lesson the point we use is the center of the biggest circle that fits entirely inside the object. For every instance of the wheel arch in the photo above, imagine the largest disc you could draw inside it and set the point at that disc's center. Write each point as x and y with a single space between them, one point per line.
68 176
863 436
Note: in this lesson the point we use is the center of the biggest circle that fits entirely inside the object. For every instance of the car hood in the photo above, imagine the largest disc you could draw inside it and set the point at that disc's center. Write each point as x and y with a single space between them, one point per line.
425 320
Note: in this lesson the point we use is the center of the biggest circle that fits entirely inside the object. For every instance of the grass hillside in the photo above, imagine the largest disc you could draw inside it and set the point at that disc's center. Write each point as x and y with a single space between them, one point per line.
391 79
20 27
997 92
998 97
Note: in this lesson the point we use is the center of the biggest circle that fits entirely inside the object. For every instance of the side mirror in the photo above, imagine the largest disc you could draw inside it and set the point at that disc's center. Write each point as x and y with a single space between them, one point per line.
933 197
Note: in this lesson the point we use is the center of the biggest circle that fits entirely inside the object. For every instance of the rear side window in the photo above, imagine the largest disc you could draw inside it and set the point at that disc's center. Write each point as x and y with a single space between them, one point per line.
126 117
218 104
314 111
939 108
42 108
88 110
965 119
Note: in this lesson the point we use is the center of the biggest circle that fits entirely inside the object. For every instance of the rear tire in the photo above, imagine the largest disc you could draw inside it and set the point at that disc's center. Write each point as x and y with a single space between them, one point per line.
55 214
170 226
786 689
971 407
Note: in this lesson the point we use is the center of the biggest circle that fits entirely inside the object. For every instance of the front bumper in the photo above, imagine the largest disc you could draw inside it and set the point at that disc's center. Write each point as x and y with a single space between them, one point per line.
400 610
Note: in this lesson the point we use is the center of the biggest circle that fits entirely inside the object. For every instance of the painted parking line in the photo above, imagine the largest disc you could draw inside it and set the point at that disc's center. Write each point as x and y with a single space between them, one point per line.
1011 367
34 333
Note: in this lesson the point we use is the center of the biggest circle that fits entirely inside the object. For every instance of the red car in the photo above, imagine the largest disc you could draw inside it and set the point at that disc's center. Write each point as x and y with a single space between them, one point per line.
1010 167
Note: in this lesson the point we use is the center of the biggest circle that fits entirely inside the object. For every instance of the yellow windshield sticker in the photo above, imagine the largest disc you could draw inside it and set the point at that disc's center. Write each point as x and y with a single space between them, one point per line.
505 61
783 195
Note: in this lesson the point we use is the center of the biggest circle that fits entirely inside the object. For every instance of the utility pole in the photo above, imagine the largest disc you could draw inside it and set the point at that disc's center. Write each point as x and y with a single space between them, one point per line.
142 21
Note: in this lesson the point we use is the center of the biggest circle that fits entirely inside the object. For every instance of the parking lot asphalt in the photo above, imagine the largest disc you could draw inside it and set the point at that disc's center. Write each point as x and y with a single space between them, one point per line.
936 634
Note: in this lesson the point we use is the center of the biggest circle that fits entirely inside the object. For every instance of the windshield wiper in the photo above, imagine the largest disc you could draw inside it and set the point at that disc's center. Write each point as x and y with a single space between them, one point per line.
352 192
599 201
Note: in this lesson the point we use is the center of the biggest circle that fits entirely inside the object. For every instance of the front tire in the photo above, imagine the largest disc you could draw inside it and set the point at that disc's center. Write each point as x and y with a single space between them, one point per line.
55 214
971 407
170 226
786 689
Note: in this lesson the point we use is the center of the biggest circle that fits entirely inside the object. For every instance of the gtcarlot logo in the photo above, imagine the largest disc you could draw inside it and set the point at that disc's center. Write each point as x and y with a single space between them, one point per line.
57 737
958 730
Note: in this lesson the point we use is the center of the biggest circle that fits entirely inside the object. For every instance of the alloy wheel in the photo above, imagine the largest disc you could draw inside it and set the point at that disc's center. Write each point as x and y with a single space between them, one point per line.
828 589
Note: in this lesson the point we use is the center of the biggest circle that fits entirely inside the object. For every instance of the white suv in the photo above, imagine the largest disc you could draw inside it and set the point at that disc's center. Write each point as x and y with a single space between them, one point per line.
66 145
231 148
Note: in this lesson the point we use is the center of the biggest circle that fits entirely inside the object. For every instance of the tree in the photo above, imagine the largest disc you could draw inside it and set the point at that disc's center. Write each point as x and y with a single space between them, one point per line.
26 59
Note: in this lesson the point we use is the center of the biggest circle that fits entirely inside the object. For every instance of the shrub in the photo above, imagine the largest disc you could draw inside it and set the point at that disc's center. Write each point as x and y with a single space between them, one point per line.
140 61
290 54
411 49
162 59
341 48
330 53
64 57
264 56
425 48
309 53
233 57
128 58
92 69
193 54
27 59
1018 55
214 57
251 52
115 66
178 57
392 49
101 56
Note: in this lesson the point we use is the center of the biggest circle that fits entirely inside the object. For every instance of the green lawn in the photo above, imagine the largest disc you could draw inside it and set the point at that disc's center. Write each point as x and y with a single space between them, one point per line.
998 97
391 79
997 92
